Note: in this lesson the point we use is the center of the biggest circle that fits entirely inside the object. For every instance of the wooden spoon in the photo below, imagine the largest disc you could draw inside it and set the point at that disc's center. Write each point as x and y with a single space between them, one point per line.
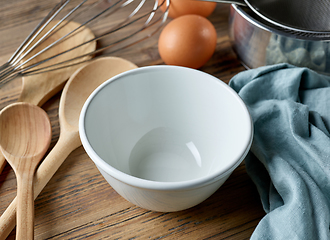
25 137
81 84
37 89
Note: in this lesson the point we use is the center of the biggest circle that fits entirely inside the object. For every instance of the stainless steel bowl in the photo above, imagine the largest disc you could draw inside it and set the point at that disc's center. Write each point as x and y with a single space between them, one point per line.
258 43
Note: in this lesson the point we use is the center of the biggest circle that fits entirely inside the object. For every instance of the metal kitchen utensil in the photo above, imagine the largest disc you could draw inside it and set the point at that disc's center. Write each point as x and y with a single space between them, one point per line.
146 17
307 16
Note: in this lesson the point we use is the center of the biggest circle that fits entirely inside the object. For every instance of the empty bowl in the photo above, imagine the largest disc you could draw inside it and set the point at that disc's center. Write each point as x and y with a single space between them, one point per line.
165 137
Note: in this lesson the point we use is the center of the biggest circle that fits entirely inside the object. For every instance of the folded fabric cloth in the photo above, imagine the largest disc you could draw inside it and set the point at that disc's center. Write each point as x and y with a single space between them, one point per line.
289 159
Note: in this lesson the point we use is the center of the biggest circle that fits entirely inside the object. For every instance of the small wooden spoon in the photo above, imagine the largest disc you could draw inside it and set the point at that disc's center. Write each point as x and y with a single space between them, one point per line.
37 89
81 84
25 137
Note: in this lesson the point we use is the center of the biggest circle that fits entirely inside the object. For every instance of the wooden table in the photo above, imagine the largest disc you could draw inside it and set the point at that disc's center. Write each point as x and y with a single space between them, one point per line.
78 203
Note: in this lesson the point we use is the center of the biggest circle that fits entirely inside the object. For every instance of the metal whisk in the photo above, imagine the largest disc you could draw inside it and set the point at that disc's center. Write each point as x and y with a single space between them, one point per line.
27 59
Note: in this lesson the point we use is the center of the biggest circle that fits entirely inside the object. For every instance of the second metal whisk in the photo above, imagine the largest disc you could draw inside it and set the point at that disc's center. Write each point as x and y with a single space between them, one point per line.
146 17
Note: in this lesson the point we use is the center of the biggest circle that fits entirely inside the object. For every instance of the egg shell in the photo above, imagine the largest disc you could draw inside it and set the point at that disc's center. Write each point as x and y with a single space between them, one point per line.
184 7
188 41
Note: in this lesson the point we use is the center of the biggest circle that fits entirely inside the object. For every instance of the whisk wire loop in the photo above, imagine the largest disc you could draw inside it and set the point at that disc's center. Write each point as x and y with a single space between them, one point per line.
146 24
20 63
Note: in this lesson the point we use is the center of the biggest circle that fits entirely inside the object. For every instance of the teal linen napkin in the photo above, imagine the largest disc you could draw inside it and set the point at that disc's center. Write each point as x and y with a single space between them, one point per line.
289 159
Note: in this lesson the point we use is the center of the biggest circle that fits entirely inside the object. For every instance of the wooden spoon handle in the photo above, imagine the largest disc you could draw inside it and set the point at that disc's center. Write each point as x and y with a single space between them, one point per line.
67 142
25 208
65 145
2 162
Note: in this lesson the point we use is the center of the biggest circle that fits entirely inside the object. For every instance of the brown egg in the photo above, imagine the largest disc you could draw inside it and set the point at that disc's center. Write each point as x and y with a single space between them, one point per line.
188 41
184 7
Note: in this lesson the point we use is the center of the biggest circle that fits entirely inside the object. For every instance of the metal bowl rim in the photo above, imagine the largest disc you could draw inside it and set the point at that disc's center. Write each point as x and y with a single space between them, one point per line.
311 36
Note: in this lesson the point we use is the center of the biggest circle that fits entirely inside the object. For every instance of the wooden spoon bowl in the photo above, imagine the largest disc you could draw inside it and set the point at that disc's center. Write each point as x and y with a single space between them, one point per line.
80 85
37 89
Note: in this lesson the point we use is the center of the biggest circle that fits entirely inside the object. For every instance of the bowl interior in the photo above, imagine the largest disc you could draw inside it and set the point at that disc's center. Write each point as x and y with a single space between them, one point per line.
167 124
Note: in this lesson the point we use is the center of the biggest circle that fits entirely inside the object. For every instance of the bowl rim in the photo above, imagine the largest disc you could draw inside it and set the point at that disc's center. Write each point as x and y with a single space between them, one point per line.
157 185
273 29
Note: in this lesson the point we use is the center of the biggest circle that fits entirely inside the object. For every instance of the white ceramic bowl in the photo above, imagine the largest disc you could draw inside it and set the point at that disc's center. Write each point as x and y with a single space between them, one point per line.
165 137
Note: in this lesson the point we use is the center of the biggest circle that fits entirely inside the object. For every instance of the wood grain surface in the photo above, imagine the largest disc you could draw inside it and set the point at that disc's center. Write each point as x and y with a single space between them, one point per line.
79 204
